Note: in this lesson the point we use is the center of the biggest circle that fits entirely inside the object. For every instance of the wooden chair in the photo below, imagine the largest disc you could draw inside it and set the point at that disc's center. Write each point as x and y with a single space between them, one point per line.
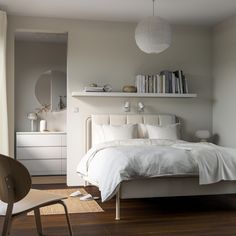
18 198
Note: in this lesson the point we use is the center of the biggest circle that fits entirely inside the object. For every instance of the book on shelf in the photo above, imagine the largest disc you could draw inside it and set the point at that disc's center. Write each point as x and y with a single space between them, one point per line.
150 84
143 84
173 83
163 77
159 84
139 83
167 75
146 84
186 85
181 83
155 84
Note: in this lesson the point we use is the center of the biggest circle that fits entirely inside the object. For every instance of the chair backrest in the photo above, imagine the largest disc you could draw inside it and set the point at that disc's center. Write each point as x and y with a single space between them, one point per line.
15 180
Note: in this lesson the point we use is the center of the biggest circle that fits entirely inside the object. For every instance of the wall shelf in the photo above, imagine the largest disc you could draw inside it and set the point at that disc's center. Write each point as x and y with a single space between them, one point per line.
133 95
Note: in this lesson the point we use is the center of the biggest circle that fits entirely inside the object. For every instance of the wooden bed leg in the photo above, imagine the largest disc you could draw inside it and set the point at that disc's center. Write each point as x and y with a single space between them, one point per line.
118 205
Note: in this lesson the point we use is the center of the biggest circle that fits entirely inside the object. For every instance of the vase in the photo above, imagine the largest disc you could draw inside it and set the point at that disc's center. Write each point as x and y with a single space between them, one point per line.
43 125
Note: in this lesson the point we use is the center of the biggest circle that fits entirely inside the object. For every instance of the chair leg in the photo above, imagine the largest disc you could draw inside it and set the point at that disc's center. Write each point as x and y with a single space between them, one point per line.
38 222
67 217
7 221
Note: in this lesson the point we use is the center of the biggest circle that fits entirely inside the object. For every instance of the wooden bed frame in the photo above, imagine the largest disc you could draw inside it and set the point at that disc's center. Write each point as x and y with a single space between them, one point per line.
159 186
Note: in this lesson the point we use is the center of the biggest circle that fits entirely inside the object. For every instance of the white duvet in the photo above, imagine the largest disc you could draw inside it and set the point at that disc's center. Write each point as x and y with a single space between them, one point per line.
110 163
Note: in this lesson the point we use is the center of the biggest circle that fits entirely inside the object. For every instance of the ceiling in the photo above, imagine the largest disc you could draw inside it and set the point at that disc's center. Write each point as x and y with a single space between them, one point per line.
197 12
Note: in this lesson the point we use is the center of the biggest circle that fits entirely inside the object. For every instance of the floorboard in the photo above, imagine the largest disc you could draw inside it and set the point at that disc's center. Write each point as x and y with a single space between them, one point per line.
205 215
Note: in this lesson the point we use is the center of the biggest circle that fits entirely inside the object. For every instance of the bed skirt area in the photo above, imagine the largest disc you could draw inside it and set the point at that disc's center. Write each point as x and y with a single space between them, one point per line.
173 186
167 187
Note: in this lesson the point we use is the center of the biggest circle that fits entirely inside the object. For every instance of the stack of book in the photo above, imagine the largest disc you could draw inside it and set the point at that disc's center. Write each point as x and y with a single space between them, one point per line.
166 82
94 89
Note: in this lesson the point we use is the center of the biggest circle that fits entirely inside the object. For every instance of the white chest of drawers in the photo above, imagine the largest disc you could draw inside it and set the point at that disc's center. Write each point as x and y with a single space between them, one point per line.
42 153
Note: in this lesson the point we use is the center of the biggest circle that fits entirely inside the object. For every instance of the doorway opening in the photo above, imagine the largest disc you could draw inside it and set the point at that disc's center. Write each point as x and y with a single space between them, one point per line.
40 104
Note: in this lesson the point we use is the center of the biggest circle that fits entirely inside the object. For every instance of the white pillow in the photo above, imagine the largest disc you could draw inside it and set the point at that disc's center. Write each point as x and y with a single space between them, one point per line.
142 131
164 132
120 132
97 134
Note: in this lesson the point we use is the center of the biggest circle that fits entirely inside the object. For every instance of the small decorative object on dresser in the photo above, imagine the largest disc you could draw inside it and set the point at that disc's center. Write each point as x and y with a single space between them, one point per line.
129 89
43 123
43 126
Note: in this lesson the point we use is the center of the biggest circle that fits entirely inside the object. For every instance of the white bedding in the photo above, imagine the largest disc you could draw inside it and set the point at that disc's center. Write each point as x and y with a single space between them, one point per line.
110 163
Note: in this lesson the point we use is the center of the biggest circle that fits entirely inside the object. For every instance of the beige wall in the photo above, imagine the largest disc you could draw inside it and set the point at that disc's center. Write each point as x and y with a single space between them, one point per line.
105 52
224 73
31 60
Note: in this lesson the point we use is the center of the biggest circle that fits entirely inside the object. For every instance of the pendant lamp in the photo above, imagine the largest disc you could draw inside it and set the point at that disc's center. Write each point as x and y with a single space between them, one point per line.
153 34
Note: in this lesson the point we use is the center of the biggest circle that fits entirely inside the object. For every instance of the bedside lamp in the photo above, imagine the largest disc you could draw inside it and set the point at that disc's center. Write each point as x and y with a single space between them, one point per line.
203 135
32 116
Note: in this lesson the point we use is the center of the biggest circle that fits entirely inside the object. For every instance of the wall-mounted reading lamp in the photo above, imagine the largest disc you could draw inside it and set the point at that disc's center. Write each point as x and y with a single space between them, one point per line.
126 106
140 107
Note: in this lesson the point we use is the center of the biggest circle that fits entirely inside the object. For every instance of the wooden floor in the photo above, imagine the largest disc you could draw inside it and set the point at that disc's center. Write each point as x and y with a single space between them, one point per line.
200 216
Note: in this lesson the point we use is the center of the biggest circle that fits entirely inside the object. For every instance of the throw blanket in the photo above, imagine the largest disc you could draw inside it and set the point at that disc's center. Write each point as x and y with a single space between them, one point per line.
110 163
215 163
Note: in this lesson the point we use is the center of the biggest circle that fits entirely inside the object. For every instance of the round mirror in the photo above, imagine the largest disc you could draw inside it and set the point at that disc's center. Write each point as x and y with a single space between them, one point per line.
43 89
50 90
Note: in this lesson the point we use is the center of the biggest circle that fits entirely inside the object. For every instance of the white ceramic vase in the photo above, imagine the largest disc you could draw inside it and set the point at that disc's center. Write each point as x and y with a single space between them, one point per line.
43 125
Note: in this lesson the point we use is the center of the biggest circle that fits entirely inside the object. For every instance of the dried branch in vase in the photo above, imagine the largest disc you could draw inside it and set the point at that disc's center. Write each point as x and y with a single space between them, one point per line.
45 108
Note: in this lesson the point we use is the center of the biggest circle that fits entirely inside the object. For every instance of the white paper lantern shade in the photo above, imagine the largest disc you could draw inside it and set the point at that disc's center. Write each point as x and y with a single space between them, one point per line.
153 35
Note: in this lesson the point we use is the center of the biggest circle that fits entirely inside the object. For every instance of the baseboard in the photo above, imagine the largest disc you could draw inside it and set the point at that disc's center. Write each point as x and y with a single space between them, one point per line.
56 179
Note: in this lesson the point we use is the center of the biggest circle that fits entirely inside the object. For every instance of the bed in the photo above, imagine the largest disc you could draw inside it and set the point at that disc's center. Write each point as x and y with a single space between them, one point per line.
177 184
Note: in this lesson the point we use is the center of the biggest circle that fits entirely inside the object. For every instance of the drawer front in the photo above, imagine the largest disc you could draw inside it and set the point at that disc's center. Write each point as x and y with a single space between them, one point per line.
38 140
43 167
26 153
63 140
64 152
64 166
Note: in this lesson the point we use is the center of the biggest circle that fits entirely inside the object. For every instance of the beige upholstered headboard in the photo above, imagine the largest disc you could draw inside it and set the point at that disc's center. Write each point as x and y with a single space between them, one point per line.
121 119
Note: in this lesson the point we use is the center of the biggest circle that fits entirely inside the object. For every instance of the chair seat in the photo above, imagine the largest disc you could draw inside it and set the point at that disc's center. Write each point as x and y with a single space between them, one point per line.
35 198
